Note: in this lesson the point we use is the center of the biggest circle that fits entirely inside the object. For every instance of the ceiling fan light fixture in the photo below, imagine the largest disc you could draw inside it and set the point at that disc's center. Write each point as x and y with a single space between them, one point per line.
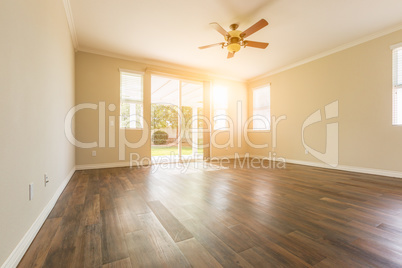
233 47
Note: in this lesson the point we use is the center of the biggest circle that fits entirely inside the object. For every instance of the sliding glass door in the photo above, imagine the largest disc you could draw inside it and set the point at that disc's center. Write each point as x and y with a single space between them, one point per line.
191 110
176 107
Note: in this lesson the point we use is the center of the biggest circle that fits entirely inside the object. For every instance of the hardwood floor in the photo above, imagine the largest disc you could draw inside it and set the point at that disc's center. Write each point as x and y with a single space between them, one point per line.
231 217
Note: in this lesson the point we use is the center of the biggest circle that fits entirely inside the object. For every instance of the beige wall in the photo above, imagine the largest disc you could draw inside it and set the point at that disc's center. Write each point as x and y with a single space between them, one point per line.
360 79
98 80
37 90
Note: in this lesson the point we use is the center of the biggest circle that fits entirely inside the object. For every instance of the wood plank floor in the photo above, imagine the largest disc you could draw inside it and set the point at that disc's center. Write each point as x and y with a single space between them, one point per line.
230 217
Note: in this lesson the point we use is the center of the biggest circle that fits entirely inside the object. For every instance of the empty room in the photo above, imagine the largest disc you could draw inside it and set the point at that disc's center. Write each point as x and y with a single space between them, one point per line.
216 133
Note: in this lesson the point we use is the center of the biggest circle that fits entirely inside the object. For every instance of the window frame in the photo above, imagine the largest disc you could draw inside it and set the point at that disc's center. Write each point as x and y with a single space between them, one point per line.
268 86
130 101
396 88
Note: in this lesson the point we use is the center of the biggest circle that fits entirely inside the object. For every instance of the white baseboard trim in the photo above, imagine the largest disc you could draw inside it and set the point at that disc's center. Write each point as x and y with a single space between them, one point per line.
127 164
372 171
102 165
19 251
381 172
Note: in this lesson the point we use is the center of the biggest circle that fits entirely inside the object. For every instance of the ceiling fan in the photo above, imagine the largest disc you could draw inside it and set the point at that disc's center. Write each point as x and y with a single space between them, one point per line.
234 39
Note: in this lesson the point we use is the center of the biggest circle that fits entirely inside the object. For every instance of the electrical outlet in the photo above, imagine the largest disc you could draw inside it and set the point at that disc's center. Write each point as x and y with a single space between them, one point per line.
46 178
93 153
31 191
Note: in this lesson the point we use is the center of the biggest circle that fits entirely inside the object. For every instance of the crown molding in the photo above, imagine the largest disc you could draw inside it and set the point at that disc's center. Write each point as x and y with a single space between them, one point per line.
329 52
71 25
396 46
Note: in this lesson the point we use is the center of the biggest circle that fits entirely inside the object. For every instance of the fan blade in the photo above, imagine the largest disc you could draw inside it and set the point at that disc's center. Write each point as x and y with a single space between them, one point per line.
256 27
217 44
256 44
230 55
219 29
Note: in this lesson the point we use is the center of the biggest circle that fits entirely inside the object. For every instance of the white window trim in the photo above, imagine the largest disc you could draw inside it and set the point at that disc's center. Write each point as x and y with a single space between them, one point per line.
395 86
131 71
396 46
132 101
252 123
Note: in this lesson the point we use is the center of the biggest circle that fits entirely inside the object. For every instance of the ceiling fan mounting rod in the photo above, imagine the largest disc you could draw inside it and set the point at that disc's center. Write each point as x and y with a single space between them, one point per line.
234 26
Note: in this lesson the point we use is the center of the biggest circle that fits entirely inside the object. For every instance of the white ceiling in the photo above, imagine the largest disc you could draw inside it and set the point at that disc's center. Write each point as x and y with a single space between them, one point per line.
172 30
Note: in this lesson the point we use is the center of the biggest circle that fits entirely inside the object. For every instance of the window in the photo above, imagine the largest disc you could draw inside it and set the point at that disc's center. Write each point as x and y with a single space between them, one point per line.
131 100
261 108
397 84
220 100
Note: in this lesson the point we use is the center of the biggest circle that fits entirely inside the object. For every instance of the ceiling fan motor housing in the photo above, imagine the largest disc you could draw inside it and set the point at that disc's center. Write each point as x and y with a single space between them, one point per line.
234 41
